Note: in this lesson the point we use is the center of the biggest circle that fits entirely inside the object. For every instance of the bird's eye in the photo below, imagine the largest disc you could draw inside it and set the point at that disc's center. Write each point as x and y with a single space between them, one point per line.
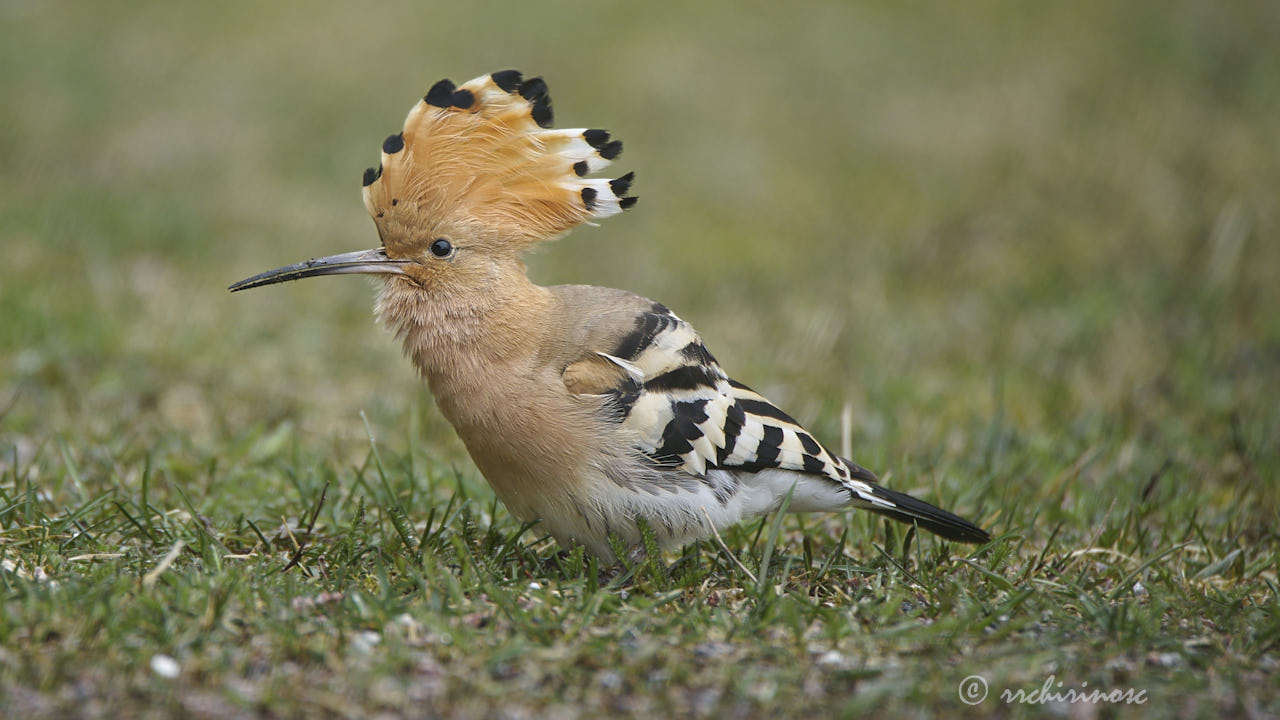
441 248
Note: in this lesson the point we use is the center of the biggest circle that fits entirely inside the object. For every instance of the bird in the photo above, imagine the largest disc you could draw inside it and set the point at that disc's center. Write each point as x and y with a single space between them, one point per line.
591 412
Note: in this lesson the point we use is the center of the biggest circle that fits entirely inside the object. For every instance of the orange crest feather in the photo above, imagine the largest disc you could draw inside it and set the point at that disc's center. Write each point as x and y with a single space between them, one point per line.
481 159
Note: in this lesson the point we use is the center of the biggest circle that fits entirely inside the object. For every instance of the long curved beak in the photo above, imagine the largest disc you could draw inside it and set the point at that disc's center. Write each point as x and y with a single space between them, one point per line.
366 262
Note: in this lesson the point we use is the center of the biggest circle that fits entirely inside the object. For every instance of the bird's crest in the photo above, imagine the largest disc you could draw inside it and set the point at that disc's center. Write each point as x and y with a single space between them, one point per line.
482 159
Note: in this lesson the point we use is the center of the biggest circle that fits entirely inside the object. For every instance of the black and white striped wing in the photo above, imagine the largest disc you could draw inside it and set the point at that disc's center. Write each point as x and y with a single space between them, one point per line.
689 415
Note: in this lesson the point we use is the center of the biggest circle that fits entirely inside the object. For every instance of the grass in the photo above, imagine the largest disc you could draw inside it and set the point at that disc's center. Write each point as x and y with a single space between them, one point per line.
1033 249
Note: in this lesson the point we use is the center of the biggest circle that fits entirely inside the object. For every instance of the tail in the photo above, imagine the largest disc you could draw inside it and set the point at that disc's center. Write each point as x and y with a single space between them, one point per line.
934 519
905 508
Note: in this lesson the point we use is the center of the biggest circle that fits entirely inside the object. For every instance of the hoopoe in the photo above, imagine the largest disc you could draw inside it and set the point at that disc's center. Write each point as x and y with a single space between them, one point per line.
587 409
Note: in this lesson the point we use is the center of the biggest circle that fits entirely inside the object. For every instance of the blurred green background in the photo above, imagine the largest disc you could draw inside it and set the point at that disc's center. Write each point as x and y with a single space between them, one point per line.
1060 219
1032 246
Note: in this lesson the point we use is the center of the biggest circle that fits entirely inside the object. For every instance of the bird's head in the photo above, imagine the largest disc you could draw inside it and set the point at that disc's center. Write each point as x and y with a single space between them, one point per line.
476 177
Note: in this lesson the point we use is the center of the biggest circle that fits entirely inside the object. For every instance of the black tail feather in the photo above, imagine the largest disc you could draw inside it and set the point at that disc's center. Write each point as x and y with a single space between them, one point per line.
931 518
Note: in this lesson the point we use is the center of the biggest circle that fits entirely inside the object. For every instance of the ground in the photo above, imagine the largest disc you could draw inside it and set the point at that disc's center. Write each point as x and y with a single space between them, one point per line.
1031 251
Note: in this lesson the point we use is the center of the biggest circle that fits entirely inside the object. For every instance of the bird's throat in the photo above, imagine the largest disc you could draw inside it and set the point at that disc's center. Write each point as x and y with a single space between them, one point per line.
451 335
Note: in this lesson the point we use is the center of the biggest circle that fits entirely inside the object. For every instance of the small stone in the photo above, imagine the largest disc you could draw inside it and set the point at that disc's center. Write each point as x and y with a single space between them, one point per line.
165 666
610 680
364 642
831 658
